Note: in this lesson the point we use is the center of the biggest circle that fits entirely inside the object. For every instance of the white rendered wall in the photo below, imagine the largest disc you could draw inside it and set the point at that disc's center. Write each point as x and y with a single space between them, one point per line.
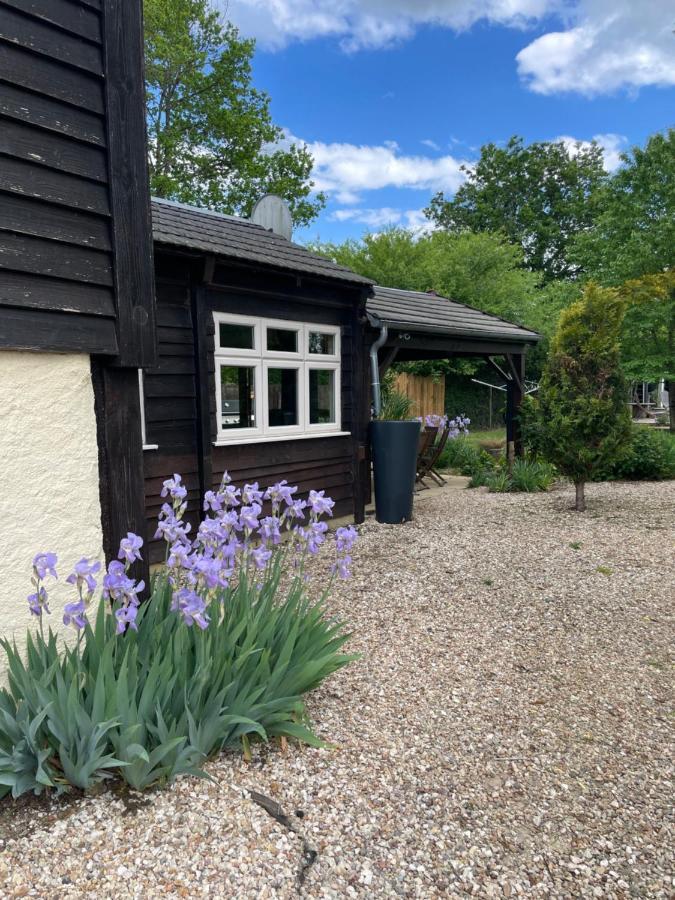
49 488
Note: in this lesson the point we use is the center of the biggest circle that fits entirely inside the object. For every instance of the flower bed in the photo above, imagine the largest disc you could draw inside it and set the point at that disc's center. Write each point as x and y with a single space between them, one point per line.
222 652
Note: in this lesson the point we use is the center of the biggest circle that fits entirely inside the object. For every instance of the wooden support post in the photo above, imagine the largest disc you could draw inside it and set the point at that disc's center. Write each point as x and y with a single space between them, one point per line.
514 399
200 322
121 480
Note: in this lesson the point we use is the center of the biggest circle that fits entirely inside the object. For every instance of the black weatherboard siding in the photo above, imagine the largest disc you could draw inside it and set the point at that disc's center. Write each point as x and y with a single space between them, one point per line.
75 239
206 263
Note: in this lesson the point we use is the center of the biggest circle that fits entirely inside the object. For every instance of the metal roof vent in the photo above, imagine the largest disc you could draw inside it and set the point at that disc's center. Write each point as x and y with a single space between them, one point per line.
272 213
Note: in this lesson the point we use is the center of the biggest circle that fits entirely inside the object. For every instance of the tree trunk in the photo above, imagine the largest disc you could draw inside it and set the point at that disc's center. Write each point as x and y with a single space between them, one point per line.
671 403
581 496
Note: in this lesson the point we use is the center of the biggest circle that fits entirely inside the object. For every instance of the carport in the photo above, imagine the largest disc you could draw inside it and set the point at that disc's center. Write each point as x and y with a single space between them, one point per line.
413 325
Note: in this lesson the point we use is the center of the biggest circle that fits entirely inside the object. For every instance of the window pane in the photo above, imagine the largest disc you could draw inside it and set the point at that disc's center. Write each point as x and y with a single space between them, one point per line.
320 342
282 397
236 337
237 388
321 396
282 340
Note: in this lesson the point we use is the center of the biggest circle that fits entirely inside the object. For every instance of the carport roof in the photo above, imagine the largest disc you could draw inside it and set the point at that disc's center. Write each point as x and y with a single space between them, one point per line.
431 314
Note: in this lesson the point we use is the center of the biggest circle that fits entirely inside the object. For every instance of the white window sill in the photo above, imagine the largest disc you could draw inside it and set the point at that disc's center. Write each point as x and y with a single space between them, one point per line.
269 439
151 446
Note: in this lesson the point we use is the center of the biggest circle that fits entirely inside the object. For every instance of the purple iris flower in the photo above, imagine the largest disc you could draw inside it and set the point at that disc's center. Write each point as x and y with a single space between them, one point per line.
126 617
316 536
229 495
118 586
75 614
281 491
83 573
37 602
130 548
295 510
174 488
261 557
345 538
342 566
212 502
251 494
320 504
210 571
45 564
191 607
269 530
179 556
248 516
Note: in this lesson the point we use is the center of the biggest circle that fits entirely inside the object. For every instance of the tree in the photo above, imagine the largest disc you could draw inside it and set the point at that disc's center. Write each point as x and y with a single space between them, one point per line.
633 243
211 138
482 270
581 421
540 196
392 257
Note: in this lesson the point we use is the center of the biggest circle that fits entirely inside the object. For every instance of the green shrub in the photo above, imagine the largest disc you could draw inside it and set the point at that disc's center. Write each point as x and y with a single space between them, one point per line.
498 482
462 455
527 475
650 456
531 475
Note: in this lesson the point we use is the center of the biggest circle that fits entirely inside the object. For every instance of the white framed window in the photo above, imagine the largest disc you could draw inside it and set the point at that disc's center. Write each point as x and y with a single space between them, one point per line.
275 378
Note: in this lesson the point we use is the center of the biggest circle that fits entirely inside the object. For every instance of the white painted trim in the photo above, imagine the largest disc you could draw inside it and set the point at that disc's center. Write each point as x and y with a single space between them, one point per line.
228 319
262 360
141 397
271 438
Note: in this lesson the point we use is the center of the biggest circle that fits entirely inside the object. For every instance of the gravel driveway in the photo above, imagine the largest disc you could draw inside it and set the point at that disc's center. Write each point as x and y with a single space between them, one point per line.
507 732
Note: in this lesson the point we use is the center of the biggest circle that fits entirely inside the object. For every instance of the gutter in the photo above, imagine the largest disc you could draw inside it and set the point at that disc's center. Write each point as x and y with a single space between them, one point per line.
375 369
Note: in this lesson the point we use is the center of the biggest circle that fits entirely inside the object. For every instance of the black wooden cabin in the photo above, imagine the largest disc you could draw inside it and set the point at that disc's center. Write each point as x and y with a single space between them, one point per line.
244 313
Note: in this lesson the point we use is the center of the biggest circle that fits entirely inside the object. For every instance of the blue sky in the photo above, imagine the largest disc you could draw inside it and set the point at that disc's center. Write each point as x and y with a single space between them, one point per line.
391 96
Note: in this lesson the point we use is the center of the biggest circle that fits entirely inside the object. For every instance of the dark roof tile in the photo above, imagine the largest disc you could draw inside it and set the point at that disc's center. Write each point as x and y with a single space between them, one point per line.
178 225
418 311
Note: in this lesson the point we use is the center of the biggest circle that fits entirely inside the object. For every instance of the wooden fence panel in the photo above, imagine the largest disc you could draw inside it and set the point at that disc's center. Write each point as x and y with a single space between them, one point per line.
427 394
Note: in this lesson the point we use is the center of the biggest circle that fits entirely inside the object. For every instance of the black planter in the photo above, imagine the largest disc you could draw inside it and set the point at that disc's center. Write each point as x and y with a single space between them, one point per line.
395 446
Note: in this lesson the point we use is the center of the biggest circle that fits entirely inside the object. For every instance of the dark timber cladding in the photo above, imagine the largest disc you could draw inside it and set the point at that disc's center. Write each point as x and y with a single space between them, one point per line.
76 271
206 263
75 247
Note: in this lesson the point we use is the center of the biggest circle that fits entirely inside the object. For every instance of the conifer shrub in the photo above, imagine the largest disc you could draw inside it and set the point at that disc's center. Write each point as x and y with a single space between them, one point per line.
580 421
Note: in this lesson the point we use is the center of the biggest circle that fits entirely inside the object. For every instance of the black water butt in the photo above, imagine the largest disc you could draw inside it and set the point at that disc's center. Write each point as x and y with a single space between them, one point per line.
394 445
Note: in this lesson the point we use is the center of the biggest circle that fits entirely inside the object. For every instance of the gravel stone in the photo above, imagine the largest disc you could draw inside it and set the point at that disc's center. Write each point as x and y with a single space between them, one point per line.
506 732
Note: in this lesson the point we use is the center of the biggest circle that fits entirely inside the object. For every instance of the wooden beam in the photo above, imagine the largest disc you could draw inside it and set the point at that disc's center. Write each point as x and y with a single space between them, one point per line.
390 354
442 348
498 369
129 189
360 400
200 312
516 369
121 479
60 332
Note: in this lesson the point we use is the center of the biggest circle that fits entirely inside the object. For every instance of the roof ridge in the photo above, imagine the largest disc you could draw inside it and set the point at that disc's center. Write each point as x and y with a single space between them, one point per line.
203 210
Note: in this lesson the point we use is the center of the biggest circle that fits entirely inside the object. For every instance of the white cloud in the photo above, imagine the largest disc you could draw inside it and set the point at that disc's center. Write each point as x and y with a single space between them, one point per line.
612 147
611 44
346 170
600 45
429 143
371 24
385 217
